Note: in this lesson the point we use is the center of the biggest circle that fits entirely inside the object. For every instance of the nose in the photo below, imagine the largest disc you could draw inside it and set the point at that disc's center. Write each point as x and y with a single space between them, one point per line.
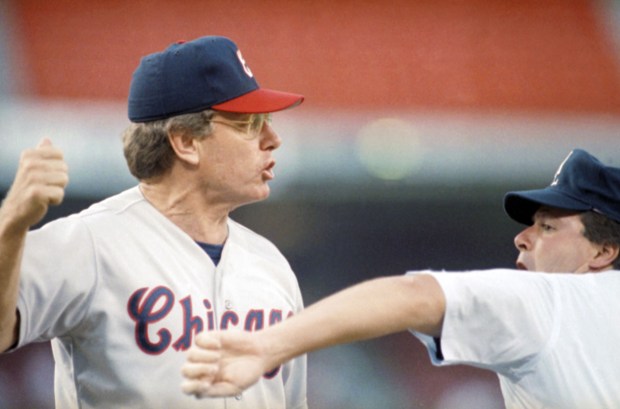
269 138
523 240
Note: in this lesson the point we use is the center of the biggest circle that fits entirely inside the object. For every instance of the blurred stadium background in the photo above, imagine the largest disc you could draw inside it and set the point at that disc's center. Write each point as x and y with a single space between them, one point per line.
419 116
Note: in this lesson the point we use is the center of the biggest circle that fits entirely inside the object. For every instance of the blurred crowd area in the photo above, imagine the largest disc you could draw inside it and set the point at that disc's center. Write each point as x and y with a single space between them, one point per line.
418 117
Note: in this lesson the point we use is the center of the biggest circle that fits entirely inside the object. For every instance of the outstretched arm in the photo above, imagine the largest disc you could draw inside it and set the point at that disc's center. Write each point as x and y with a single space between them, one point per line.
226 363
39 182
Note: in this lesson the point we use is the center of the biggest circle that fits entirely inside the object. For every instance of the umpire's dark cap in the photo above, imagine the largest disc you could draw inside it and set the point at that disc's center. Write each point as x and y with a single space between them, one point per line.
188 77
581 183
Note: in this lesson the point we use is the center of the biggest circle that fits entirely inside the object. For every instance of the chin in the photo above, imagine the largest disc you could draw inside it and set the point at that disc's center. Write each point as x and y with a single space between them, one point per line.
264 193
259 195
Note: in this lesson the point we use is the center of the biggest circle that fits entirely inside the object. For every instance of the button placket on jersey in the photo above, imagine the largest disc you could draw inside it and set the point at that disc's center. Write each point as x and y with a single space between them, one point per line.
227 304
219 302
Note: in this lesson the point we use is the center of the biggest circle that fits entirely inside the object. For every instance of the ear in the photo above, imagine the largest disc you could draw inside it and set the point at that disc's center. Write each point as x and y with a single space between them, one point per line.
185 147
605 257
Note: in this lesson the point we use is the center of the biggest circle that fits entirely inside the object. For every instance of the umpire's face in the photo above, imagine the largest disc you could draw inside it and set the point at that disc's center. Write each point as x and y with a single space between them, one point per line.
555 243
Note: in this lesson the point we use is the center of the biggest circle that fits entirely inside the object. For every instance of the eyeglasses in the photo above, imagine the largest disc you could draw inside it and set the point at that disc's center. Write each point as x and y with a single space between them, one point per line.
252 127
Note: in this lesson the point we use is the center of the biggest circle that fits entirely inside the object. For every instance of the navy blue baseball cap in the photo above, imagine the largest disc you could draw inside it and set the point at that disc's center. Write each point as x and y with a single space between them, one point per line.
188 77
581 183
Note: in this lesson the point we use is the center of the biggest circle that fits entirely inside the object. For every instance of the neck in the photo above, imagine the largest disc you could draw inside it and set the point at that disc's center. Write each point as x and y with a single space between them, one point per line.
184 205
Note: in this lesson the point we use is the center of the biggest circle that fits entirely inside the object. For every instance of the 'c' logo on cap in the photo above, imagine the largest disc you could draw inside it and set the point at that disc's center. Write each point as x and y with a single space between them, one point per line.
556 177
244 64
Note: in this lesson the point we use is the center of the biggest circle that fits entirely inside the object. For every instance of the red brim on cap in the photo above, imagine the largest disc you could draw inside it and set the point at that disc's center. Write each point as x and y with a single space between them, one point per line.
260 101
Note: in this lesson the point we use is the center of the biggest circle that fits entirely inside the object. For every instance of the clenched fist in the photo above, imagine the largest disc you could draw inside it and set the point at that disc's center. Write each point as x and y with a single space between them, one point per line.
40 181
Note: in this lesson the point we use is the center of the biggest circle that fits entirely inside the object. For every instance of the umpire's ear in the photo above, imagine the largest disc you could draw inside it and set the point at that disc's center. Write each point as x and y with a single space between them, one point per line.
605 257
185 147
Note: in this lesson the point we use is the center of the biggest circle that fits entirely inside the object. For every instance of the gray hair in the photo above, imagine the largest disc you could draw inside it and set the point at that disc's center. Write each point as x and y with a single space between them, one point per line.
146 145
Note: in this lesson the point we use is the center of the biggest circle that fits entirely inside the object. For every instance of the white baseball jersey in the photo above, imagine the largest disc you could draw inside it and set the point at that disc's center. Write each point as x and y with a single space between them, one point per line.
551 338
121 291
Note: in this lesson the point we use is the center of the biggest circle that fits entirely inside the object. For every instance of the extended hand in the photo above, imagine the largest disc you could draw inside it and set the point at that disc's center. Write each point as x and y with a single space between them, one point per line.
223 364
40 181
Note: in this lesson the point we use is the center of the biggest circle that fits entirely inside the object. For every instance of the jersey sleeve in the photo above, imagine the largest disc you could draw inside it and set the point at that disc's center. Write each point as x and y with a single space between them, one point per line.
57 279
497 319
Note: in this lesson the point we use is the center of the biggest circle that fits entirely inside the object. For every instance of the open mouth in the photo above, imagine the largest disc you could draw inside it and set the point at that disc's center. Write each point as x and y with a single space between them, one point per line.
268 170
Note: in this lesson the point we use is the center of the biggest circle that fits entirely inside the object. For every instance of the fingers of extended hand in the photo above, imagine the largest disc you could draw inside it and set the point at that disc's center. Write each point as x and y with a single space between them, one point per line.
201 364
200 371
208 340
201 388
202 355
199 376
194 387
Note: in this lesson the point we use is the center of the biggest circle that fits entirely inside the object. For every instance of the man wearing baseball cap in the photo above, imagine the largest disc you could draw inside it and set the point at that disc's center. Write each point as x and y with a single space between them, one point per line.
189 77
122 288
550 332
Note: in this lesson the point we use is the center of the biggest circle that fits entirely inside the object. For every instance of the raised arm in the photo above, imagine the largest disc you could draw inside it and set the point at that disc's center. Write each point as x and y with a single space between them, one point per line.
39 182
226 363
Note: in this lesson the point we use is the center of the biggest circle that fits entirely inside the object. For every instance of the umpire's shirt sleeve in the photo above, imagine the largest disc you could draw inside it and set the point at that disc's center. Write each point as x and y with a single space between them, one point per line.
494 319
